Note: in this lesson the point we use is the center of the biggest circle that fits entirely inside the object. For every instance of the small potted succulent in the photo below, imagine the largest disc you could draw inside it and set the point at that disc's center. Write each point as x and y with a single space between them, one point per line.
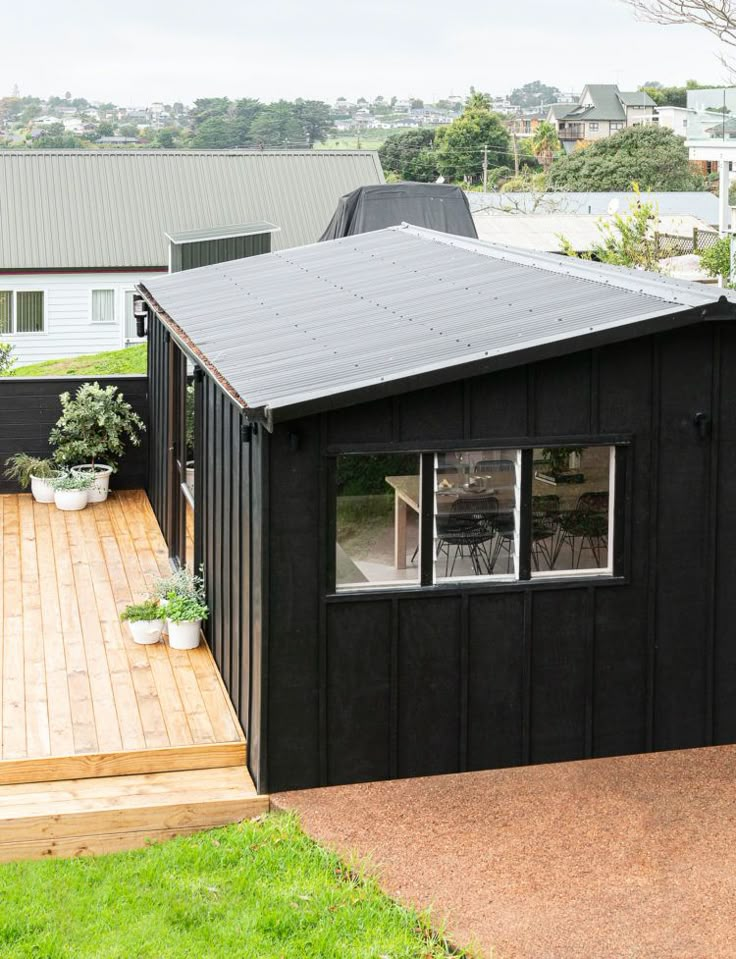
71 492
27 470
145 620
89 437
184 616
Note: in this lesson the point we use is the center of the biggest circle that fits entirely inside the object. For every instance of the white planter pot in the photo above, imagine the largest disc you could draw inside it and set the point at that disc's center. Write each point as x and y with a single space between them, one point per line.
184 635
71 499
98 492
146 632
42 490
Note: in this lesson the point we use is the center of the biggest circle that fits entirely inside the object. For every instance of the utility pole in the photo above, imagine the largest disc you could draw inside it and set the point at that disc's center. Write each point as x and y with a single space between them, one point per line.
516 153
485 168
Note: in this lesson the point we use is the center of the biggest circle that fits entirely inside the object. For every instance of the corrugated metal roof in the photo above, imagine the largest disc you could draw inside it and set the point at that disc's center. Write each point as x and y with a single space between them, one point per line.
544 231
701 204
289 330
83 209
222 232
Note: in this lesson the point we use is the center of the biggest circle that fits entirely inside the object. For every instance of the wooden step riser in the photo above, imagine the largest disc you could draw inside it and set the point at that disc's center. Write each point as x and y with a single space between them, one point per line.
194 814
92 766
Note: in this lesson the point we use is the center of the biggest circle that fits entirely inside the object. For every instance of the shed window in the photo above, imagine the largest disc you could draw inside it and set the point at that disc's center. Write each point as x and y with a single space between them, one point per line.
21 311
103 306
572 510
474 516
377 520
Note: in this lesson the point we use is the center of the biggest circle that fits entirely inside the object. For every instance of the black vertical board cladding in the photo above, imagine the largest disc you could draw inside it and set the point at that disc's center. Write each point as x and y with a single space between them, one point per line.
621 615
258 731
559 680
29 407
218 469
562 395
244 520
496 681
358 692
429 684
682 540
432 414
226 531
724 666
235 526
498 405
372 422
294 634
209 505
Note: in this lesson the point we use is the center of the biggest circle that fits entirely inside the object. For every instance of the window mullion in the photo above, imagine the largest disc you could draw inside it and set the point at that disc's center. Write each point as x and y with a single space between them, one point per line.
426 520
525 515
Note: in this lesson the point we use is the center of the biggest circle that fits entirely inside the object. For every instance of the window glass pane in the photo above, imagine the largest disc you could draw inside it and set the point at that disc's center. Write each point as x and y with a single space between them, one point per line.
103 306
6 311
477 514
130 331
572 509
29 306
378 506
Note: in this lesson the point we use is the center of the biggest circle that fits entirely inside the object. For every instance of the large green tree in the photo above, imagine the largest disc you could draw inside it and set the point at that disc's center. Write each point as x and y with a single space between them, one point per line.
316 119
460 146
652 156
534 94
411 155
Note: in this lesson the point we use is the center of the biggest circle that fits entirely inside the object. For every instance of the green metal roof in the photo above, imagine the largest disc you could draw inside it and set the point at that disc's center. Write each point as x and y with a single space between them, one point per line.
96 209
609 103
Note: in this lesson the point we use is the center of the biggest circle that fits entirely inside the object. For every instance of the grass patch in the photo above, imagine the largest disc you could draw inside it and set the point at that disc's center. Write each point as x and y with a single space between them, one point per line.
258 889
133 359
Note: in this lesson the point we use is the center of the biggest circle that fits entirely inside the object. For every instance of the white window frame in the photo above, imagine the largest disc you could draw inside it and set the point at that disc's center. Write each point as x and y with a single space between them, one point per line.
103 289
487 578
14 311
125 339
593 126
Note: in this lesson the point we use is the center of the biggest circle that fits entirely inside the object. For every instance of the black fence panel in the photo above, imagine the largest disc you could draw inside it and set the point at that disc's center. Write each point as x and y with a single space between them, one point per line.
29 407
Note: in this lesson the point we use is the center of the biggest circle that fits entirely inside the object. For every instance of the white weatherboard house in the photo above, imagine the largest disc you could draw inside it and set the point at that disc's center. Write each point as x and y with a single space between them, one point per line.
79 229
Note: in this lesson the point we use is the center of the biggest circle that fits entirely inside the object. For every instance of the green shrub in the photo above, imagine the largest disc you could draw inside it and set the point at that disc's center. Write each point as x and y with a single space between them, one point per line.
142 612
361 475
21 467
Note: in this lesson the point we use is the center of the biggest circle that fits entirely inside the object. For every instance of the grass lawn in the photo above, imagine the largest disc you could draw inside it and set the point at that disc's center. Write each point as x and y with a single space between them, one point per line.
130 360
252 891
368 140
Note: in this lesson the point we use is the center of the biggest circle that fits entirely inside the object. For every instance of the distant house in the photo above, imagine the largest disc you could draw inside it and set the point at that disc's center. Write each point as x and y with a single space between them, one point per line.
79 229
602 110
674 118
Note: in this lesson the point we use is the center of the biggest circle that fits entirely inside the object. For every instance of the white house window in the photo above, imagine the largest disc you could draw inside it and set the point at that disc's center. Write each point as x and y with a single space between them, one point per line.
103 306
130 332
592 127
616 125
21 311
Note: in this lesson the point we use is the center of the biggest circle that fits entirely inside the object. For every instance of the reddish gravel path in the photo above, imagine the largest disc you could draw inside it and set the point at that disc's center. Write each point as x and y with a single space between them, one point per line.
627 858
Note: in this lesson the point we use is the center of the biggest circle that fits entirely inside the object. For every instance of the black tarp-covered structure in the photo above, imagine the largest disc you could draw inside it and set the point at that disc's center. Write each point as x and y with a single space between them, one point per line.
432 205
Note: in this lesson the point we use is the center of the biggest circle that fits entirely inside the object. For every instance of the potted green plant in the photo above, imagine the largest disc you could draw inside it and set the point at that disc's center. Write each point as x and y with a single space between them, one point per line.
27 470
90 435
182 582
184 617
71 492
145 620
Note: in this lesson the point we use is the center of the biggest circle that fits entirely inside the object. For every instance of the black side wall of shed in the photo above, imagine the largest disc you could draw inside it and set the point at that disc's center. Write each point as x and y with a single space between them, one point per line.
447 679
229 491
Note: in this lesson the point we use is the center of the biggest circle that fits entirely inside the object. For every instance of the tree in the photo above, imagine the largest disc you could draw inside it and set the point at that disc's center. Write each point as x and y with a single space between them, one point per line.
215 133
628 239
545 143
534 94
316 119
653 156
460 146
411 155
129 130
716 260
276 126
716 16
105 129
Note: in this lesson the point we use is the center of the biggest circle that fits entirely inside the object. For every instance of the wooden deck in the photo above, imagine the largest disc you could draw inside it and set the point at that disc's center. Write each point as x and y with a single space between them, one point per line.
78 699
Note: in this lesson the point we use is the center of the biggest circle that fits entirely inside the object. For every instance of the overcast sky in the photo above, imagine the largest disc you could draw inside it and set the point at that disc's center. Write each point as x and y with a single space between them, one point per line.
140 51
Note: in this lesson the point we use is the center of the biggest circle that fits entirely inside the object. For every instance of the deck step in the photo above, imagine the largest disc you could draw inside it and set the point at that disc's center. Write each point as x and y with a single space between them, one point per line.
135 762
91 816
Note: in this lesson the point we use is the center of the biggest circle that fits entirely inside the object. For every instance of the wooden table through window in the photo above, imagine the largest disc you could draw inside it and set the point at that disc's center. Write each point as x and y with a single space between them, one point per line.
406 497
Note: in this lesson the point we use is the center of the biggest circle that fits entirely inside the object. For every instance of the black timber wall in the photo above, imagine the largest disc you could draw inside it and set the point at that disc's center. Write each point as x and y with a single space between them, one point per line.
228 462
189 256
408 683
29 407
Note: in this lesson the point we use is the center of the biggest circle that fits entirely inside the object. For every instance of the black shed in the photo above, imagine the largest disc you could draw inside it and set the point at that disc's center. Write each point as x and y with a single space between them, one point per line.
458 506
